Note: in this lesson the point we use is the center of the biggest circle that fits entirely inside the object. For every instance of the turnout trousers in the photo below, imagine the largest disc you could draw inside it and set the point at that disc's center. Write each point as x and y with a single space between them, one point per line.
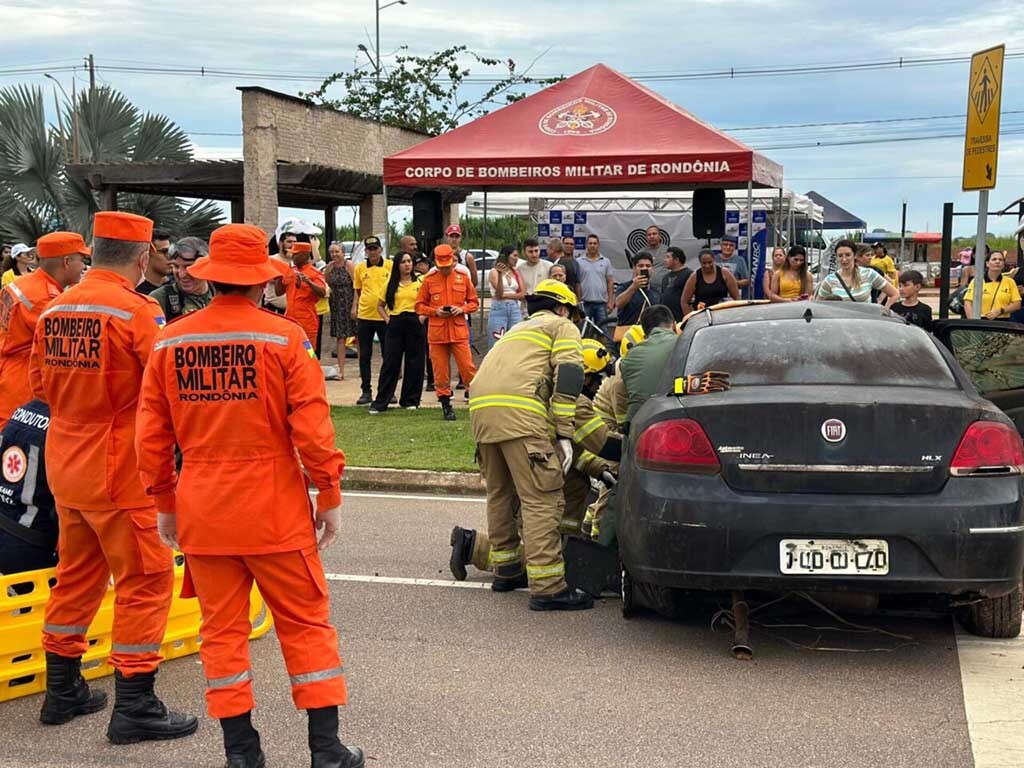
91 546
295 591
439 353
527 468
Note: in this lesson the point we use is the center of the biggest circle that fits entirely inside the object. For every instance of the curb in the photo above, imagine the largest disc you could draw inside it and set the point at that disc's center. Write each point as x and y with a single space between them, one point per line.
417 480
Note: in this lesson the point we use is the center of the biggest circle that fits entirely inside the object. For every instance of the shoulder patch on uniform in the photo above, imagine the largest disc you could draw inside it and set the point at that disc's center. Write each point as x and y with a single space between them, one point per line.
309 348
15 464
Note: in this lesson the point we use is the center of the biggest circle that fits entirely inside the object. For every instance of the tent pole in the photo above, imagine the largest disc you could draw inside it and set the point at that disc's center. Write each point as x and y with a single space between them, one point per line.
483 269
750 241
778 222
387 228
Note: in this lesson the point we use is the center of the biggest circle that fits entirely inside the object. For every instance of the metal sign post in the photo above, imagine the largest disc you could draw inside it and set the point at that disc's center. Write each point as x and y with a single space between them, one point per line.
981 147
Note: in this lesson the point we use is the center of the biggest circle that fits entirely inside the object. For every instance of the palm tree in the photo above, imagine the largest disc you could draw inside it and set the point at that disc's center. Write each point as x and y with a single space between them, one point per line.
38 196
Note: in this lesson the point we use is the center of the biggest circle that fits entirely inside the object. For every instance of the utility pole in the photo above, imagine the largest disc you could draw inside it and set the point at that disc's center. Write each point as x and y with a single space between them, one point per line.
903 234
91 63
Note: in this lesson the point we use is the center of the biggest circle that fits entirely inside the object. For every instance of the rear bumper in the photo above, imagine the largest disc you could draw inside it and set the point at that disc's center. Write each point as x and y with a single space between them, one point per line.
695 532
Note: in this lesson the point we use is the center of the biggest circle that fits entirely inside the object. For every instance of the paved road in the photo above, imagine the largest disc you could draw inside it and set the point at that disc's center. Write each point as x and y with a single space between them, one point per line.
462 677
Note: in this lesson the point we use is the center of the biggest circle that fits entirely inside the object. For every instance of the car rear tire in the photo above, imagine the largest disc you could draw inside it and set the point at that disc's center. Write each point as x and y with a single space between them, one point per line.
629 606
994 617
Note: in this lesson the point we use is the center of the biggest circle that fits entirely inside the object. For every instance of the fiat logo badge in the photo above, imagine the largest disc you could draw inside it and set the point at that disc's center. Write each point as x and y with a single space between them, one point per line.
834 431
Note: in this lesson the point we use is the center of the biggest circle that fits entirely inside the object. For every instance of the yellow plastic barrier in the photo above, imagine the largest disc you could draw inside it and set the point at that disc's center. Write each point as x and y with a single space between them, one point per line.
23 661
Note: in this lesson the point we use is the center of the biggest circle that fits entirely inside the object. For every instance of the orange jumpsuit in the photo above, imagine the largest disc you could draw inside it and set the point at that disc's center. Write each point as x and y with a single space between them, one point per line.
301 299
448 335
21 303
90 347
238 389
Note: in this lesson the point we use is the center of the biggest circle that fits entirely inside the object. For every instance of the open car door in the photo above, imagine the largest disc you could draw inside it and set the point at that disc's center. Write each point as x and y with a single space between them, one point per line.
991 352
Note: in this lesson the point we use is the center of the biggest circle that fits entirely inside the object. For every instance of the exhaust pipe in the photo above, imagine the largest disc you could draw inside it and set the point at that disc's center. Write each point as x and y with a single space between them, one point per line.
741 628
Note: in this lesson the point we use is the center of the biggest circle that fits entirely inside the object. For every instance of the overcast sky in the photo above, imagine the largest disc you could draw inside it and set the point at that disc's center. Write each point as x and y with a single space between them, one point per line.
637 38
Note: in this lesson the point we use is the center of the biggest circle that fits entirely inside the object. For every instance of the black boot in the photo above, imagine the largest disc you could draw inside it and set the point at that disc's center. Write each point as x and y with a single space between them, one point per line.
569 599
447 412
325 748
463 541
242 742
140 716
67 693
508 584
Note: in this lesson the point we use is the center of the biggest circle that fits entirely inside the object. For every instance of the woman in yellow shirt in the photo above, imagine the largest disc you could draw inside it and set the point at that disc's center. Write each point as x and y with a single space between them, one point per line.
19 262
1000 297
794 281
369 281
405 336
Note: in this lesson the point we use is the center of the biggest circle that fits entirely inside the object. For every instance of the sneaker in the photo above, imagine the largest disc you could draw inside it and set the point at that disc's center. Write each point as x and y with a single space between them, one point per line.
410 407
394 400
373 411
364 399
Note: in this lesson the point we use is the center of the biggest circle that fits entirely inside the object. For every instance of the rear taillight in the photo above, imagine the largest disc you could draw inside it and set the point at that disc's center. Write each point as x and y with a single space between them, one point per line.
988 448
679 445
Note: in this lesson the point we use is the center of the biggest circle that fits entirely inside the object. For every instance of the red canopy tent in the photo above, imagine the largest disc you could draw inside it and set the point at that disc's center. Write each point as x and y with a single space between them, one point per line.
597 129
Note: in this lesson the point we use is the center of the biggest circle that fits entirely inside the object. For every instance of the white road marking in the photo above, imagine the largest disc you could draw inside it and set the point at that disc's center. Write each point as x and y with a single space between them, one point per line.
992 674
410 497
406 581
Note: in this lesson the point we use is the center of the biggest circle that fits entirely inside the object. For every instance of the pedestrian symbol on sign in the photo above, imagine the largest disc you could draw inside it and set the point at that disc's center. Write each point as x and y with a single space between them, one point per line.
983 92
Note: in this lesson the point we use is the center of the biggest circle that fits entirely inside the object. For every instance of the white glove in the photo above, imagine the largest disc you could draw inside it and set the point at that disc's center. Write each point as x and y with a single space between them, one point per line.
329 520
565 446
167 528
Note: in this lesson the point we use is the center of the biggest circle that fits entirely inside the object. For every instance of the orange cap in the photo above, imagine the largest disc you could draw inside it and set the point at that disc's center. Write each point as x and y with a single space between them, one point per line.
444 256
302 248
56 245
238 256
115 225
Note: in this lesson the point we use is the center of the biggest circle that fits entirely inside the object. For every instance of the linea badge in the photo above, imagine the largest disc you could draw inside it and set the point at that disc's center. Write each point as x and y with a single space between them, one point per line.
579 117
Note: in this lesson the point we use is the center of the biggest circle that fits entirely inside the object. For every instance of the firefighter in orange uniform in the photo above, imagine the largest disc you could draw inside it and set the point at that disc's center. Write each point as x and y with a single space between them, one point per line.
445 298
228 366
61 260
305 286
90 348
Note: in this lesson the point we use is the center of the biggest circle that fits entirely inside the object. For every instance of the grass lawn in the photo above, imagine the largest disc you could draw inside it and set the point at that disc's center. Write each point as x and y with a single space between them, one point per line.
404 439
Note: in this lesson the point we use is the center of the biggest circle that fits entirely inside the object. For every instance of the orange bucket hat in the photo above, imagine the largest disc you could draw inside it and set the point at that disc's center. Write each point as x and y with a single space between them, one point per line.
56 245
238 256
114 225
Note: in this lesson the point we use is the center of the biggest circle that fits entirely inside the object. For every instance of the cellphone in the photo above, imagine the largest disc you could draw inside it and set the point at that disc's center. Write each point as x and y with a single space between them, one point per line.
645 272
446 308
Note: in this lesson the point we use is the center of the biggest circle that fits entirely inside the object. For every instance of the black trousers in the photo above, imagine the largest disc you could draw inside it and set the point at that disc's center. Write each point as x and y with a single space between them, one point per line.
430 365
365 333
404 345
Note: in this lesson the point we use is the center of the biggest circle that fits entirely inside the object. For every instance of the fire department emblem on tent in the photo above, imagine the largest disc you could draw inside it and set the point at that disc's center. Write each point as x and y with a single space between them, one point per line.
579 117
14 464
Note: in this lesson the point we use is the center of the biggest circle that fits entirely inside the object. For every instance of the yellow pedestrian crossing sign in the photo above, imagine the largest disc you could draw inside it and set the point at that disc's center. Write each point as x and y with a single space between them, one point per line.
981 142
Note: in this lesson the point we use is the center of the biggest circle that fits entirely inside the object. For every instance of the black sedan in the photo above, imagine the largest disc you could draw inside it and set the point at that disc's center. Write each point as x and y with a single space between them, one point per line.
852 453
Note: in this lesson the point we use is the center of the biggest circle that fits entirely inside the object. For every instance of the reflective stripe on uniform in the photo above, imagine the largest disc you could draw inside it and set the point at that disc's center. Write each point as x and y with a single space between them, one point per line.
502 556
92 309
315 677
199 338
588 429
129 648
224 682
569 523
534 337
564 344
563 409
65 629
20 296
507 401
534 572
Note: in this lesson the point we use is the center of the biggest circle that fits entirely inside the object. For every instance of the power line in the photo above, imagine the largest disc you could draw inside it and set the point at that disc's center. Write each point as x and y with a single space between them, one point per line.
815 144
860 122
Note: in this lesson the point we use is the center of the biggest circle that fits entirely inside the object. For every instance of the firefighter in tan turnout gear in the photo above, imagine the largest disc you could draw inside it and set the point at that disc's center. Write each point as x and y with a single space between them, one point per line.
534 370
597 447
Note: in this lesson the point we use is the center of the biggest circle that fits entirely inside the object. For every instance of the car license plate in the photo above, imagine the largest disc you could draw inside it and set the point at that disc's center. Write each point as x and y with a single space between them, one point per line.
834 557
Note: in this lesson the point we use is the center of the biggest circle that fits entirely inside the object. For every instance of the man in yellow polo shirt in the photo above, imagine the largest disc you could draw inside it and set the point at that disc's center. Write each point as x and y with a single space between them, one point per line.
370 281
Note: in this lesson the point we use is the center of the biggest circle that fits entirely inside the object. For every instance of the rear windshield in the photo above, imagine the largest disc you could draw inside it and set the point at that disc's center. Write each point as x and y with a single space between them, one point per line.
841 351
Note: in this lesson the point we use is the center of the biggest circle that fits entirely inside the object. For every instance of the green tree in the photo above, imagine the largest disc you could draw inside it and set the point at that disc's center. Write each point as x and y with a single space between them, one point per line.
37 195
426 93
